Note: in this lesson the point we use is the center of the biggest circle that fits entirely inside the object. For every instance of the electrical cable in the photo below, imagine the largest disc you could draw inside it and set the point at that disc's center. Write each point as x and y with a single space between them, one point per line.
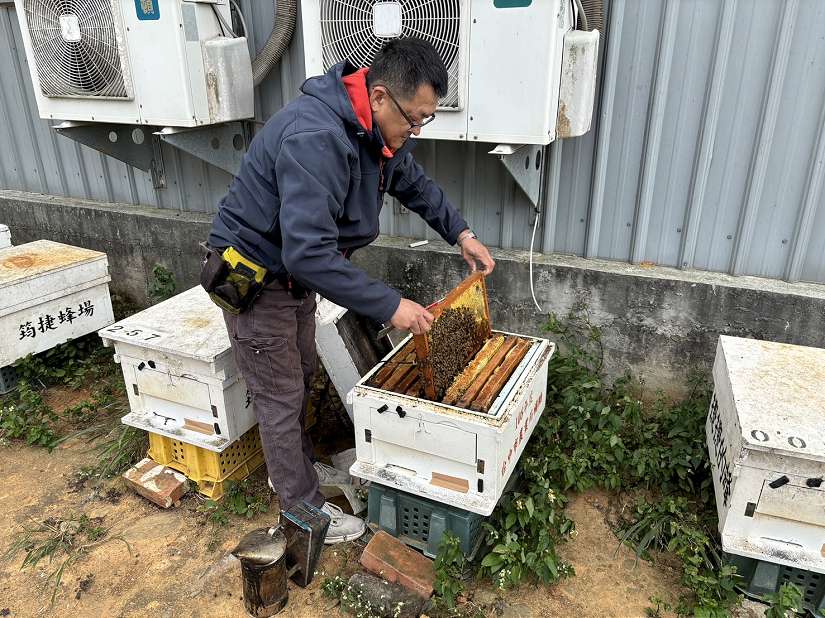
532 241
222 22
239 13
582 14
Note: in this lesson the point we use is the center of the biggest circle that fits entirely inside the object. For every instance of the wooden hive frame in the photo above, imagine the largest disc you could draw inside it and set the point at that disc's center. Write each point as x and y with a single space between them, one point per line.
471 293
476 387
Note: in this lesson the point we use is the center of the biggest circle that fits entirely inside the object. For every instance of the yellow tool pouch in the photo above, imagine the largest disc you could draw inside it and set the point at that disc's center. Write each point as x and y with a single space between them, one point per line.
232 280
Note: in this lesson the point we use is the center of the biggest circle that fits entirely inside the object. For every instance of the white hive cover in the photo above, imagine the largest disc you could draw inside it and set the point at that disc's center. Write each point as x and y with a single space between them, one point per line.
42 268
188 325
779 392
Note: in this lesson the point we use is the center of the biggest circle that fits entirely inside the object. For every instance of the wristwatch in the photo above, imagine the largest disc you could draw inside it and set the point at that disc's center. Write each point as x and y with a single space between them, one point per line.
464 236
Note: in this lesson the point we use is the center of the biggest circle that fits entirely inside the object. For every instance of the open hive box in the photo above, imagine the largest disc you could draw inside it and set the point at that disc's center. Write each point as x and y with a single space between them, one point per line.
446 415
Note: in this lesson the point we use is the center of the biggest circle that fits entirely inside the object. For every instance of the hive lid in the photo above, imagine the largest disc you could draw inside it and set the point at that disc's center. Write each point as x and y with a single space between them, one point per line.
470 294
188 325
778 392
39 271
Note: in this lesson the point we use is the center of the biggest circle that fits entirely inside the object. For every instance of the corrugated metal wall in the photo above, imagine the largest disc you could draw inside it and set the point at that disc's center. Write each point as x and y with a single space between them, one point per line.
708 149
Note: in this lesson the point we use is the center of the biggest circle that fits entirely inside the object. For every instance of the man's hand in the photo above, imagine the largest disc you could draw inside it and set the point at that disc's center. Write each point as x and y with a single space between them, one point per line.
474 253
412 317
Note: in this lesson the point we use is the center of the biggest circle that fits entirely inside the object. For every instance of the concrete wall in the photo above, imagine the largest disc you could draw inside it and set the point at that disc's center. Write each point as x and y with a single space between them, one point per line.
660 322
134 238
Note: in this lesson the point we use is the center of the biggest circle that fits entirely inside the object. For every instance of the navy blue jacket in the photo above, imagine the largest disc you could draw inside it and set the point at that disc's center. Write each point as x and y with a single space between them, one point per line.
309 192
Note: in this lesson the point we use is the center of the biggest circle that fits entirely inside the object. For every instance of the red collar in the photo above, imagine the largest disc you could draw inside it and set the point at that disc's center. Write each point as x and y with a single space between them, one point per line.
356 85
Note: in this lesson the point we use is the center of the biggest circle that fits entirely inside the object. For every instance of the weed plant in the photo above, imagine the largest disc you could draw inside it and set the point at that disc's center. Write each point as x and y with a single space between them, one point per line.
785 603
60 541
594 433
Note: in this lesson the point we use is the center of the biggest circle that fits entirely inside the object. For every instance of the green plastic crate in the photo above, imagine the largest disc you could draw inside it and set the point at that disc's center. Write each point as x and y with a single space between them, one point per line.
421 523
760 577
8 379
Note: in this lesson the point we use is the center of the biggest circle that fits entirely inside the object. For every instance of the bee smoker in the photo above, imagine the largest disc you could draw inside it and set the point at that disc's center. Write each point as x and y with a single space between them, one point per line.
270 556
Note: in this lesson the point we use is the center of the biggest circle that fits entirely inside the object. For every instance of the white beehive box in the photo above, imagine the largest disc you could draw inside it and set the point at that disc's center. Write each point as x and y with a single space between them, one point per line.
474 452
345 348
5 236
50 293
767 452
180 374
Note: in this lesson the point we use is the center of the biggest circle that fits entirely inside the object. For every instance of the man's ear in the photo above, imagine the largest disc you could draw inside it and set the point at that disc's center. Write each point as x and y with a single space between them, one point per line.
376 98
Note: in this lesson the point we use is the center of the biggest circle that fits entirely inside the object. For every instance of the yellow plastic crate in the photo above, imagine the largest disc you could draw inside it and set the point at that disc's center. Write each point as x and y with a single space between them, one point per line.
208 469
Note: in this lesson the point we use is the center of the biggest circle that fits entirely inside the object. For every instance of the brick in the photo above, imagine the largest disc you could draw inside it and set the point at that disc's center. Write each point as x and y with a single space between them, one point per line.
390 559
157 483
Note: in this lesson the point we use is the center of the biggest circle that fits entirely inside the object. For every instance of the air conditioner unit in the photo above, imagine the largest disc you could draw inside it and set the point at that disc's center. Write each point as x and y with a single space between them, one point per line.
155 62
504 57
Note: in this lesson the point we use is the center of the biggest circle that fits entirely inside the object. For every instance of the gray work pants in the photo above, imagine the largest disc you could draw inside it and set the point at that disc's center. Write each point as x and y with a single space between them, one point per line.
274 347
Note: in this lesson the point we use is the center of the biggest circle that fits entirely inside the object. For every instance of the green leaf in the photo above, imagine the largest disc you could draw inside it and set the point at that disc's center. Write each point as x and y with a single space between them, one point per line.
551 564
511 519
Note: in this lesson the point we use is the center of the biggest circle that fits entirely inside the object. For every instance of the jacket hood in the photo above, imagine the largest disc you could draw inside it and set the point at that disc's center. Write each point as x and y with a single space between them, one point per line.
329 89
339 89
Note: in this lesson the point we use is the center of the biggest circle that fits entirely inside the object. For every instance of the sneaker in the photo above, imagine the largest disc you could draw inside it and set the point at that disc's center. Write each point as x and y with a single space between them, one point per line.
348 491
327 475
335 482
342 527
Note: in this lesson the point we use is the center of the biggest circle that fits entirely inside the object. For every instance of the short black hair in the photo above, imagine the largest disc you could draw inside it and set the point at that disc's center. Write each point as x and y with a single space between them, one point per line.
405 64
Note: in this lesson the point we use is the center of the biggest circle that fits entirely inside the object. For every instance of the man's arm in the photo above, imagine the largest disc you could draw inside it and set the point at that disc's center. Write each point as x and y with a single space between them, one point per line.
423 196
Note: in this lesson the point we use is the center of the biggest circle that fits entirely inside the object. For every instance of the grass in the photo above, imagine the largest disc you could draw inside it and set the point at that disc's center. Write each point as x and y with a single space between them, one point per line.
61 542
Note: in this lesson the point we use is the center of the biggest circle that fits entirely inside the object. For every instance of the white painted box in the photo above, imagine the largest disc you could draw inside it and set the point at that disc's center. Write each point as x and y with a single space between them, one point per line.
767 453
401 441
5 236
50 293
332 350
345 348
180 374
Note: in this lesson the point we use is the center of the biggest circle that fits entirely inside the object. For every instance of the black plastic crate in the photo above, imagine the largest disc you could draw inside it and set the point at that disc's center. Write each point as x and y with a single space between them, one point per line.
421 523
761 577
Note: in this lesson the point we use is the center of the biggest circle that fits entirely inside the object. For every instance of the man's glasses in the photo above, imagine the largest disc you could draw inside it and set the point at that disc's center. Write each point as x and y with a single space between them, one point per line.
413 124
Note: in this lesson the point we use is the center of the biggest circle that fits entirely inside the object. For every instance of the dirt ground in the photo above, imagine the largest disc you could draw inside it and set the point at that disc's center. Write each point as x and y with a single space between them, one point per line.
169 570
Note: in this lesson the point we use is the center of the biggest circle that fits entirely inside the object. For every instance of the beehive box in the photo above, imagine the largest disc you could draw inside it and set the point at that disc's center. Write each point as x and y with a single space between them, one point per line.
50 293
346 349
180 374
764 434
5 236
451 452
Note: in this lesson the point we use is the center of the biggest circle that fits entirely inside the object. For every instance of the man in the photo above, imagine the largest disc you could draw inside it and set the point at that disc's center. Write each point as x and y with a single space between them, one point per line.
307 195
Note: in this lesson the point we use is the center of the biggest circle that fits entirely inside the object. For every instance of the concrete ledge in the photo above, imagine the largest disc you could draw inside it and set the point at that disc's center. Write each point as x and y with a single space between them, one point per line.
135 238
660 322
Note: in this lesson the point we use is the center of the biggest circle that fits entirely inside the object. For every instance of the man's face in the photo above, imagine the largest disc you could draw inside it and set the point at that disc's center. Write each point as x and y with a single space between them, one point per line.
390 114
